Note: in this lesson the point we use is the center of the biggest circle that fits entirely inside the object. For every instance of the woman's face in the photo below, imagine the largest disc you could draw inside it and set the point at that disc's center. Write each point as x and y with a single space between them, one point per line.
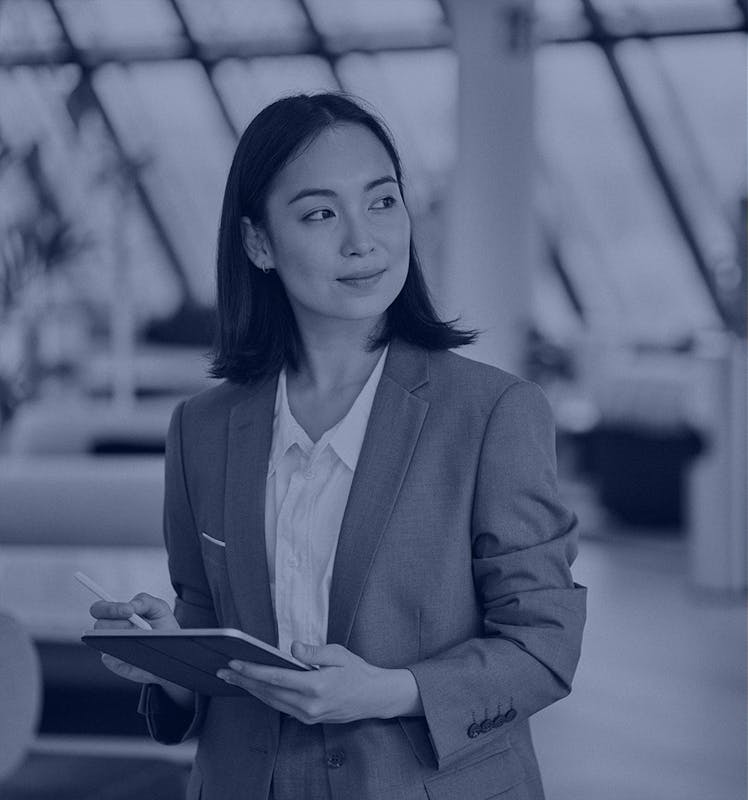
337 230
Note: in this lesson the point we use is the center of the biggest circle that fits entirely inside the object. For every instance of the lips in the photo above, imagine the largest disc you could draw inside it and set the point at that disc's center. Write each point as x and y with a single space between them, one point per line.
359 276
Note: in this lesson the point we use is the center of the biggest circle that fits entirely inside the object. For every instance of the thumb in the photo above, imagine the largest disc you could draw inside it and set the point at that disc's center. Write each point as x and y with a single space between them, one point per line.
322 654
154 609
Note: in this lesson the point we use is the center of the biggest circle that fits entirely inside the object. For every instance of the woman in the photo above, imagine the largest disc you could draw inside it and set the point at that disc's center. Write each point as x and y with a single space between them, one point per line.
360 496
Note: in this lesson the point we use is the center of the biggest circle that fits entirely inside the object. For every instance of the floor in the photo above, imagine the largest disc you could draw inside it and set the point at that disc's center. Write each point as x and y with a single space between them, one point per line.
658 710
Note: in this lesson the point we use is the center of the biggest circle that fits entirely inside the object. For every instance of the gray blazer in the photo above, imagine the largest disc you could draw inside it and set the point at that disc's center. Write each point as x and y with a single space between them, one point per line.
453 561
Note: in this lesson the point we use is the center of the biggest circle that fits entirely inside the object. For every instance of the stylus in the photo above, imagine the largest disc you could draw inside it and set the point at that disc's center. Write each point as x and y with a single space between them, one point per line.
139 622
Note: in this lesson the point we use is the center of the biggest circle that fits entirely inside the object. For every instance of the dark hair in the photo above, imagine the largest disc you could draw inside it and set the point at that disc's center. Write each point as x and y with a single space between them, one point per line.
256 330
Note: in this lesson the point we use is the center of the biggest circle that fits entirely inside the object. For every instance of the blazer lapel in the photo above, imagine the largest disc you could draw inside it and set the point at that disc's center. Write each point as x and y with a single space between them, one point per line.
394 425
249 440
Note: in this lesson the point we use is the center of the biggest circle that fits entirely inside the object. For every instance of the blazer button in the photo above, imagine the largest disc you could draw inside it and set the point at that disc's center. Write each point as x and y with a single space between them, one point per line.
486 726
335 759
498 721
510 715
473 730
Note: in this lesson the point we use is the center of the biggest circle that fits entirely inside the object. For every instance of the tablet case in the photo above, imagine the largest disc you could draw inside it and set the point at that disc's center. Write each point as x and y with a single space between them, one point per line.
190 657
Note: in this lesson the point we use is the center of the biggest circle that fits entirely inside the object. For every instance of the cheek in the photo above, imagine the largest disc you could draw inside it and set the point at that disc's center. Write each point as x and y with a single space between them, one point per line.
305 275
402 243
302 260
395 236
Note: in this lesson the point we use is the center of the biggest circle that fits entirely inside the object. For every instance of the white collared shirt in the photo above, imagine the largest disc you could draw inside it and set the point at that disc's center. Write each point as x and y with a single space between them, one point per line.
306 494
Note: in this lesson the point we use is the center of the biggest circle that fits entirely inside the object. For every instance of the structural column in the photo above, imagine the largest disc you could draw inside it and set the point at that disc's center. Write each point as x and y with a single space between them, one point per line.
488 263
717 494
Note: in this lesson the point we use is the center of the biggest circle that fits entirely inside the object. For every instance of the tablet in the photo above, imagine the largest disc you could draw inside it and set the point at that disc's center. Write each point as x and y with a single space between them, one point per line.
190 657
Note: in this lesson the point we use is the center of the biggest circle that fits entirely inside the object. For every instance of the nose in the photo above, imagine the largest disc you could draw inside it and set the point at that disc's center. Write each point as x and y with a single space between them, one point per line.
357 238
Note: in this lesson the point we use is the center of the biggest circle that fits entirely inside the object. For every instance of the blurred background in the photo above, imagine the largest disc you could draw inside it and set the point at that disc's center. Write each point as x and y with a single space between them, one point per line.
576 173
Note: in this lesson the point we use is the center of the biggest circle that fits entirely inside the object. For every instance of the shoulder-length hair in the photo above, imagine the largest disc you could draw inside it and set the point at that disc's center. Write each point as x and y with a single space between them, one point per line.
256 331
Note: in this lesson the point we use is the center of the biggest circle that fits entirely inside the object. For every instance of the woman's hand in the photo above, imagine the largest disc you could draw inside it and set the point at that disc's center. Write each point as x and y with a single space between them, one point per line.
115 615
345 688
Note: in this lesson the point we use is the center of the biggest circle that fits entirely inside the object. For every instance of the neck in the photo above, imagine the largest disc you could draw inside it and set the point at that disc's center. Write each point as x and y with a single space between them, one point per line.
334 360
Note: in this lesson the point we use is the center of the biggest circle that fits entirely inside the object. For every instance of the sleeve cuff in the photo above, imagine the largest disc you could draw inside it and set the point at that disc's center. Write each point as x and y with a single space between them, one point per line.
167 722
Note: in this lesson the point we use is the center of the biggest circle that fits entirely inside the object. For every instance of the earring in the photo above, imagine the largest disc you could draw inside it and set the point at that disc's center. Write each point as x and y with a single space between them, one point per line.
264 268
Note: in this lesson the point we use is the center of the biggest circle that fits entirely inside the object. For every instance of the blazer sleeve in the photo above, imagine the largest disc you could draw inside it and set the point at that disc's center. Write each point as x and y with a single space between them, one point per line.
523 543
167 722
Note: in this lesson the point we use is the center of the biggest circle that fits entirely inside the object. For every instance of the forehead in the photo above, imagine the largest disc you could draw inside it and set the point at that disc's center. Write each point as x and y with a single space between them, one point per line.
342 154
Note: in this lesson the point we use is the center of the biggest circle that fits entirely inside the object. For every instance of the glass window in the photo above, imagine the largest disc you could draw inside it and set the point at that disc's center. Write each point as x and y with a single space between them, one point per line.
34 104
69 164
28 26
338 18
693 92
612 213
579 246
170 123
416 92
101 23
560 18
248 86
553 313
658 15
258 21
708 76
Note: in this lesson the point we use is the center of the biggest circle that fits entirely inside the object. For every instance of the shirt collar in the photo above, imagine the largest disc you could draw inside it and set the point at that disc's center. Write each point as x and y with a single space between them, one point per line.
286 431
345 438
348 435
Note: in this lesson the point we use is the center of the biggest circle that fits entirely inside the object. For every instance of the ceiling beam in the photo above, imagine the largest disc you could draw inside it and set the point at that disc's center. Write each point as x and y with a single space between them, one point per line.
606 37
211 53
558 264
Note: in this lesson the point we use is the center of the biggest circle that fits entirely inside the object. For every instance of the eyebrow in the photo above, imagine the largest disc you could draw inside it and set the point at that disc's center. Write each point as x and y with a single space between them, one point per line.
330 193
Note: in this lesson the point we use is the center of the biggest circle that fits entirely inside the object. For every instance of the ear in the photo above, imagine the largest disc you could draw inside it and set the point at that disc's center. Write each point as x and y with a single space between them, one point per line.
256 244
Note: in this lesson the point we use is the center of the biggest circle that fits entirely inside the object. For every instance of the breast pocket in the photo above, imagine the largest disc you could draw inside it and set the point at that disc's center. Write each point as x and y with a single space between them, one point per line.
213 549
213 552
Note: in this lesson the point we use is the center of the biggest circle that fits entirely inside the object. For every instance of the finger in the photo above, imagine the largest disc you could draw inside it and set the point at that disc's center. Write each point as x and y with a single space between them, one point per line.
116 665
280 699
291 679
103 609
306 710
325 654
255 688
157 611
113 624
127 671
146 605
111 662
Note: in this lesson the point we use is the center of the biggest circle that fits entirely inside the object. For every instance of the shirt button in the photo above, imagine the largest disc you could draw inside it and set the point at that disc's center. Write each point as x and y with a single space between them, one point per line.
308 474
292 561
335 759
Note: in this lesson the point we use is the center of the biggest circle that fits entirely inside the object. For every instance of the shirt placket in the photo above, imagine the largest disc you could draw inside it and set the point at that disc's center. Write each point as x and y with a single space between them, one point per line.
295 523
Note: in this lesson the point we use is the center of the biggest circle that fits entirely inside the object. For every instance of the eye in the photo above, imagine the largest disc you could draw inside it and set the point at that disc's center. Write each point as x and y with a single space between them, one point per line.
319 215
384 202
